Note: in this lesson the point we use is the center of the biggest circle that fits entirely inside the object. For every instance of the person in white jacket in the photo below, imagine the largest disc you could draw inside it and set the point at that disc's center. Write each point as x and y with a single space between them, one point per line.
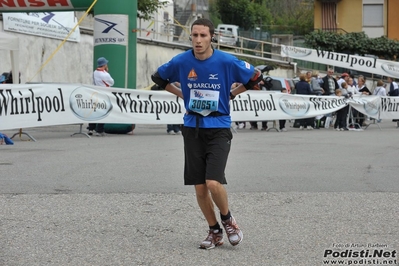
101 77
351 88
380 90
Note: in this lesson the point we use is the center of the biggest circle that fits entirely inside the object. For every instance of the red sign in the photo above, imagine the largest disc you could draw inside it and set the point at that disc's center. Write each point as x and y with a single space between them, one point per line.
34 4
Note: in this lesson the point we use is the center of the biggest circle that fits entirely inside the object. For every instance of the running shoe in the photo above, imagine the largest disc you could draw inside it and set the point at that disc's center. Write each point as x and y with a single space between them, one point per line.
233 231
214 239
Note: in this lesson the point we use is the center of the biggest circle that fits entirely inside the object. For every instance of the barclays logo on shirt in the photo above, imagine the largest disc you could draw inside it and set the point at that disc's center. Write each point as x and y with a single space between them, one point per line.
209 86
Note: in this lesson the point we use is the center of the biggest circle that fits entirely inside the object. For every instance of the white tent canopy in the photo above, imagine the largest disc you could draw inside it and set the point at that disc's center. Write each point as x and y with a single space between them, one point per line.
11 43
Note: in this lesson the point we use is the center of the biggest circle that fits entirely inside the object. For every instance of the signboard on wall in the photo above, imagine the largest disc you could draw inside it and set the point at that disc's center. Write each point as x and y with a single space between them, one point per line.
111 29
56 25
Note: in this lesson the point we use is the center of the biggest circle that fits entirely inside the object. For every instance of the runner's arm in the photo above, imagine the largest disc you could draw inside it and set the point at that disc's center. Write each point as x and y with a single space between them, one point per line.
254 80
164 84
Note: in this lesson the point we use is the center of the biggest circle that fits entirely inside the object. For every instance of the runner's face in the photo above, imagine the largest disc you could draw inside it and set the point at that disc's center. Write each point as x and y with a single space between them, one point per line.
201 39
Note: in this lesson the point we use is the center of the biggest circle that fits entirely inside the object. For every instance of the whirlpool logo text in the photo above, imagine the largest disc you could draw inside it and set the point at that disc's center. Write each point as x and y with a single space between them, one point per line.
89 104
295 107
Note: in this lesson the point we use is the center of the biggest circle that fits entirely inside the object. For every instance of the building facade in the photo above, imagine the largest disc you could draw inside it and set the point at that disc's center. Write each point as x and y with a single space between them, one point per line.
375 17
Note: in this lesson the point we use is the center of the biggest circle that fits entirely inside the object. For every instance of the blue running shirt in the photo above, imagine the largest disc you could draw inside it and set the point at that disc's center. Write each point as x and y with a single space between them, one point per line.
206 85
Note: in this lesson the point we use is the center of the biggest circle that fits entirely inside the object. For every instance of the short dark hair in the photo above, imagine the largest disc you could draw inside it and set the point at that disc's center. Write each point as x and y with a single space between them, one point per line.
205 22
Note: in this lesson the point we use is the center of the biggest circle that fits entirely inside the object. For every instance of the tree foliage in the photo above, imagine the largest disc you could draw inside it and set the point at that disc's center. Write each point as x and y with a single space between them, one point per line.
296 14
243 13
214 13
266 13
353 43
145 8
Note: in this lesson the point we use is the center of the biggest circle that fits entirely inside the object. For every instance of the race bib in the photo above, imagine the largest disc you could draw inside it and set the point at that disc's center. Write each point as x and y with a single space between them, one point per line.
204 102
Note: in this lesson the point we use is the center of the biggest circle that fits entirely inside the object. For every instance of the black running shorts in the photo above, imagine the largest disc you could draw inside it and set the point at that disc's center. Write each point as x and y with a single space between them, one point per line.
206 156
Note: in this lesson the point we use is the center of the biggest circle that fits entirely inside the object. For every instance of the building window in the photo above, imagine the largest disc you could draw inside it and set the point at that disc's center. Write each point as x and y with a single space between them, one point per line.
328 15
373 15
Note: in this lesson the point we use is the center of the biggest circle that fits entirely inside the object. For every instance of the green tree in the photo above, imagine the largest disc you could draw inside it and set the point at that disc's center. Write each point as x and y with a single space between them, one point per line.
353 43
296 15
145 8
243 13
214 15
232 12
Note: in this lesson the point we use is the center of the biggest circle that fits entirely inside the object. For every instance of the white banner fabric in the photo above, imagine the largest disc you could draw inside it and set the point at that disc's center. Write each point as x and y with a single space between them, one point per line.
358 63
35 105
56 25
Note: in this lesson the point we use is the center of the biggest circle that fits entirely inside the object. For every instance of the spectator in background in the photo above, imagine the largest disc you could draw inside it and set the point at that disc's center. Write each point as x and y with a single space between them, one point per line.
339 94
351 87
315 84
344 78
3 79
240 125
254 124
316 75
361 86
303 88
380 90
393 91
352 90
330 83
174 129
282 121
308 76
101 77
363 90
5 139
341 115
9 78
393 87
329 86
351 76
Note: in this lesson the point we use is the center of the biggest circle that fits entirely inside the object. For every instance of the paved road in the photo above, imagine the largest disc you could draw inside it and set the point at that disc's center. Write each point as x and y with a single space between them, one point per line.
119 199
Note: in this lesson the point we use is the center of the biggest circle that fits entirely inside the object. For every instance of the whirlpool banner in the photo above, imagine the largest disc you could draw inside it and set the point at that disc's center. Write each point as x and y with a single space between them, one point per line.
349 61
24 106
